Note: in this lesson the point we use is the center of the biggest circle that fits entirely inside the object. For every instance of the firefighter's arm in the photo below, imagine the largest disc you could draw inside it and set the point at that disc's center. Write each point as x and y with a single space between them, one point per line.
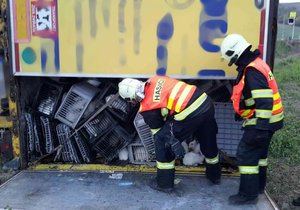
162 130
263 97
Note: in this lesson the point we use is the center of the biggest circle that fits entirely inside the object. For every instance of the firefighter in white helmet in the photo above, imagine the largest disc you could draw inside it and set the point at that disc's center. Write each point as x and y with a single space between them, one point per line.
175 111
256 100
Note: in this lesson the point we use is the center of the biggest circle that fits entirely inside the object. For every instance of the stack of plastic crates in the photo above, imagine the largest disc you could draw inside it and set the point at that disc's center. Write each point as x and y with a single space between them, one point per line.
33 132
98 126
229 131
75 103
48 98
145 135
109 145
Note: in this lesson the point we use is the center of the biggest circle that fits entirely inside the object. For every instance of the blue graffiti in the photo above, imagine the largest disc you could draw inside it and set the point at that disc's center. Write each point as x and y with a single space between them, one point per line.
213 24
214 7
165 27
161 52
209 31
165 30
211 72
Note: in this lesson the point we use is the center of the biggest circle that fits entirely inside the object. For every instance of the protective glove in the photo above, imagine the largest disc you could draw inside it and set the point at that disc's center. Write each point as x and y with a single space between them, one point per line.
237 117
176 147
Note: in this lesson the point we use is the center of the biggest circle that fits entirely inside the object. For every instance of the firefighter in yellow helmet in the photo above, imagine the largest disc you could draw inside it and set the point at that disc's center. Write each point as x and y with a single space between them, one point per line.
175 111
256 100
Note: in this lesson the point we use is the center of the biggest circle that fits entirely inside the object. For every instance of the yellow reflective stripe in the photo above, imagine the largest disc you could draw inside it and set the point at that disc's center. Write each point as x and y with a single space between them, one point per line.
263 162
246 112
183 114
249 102
248 169
277 106
276 118
173 94
273 119
262 93
182 97
212 160
165 166
154 131
263 113
276 96
164 113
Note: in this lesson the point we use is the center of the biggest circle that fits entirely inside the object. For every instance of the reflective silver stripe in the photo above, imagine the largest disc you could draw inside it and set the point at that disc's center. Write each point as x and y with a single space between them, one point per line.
165 166
276 118
273 119
212 160
154 131
262 113
249 102
263 162
262 93
248 169
183 114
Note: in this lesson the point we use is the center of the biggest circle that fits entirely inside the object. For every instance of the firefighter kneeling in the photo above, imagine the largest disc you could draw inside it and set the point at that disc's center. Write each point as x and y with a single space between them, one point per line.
175 111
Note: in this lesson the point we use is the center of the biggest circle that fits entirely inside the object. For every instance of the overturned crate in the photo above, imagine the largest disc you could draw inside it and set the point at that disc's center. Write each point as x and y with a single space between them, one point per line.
98 126
145 135
109 145
75 103
48 98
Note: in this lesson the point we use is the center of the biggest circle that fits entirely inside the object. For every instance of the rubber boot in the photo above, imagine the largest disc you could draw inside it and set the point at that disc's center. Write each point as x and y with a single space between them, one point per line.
154 185
213 173
164 180
262 179
248 191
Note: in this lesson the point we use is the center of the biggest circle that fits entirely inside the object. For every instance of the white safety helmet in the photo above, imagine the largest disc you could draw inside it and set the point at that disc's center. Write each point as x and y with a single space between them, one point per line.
232 47
132 89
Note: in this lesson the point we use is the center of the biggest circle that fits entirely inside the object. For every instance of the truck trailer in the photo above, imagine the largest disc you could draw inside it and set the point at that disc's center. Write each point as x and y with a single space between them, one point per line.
79 145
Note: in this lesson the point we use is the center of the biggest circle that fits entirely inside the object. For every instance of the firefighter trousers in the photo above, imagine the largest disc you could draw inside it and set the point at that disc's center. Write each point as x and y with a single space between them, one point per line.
252 156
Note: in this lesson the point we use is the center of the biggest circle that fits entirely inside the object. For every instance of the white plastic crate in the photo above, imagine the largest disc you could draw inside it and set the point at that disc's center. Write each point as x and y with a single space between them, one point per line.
75 103
137 154
229 130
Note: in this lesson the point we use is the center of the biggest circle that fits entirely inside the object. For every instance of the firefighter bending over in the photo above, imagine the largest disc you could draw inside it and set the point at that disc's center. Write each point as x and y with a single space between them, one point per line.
175 111
256 100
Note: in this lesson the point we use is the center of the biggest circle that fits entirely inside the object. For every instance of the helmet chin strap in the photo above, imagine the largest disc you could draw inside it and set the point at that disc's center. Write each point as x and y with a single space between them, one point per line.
233 60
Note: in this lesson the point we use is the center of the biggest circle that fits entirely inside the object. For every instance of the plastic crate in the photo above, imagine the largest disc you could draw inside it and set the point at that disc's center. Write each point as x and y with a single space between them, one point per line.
48 134
145 135
83 148
229 131
98 126
75 103
69 153
29 132
112 142
138 154
48 98
121 109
